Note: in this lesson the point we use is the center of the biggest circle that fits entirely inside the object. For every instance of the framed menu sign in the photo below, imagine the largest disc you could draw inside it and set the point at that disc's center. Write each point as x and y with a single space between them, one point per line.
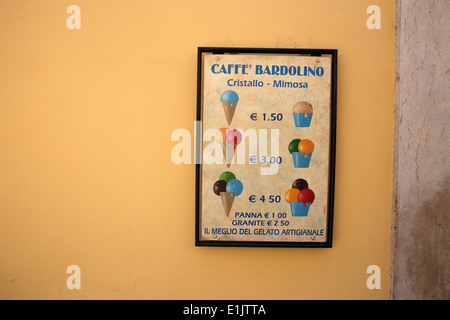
265 147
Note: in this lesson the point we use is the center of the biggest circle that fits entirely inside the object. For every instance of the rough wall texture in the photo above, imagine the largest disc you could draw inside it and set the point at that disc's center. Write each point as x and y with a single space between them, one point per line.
420 246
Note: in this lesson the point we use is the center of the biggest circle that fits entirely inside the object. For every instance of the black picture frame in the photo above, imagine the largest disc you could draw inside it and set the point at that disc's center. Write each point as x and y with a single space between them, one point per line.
332 149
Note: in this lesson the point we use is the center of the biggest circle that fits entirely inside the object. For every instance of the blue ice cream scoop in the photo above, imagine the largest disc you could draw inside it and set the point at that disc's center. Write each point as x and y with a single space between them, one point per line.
230 96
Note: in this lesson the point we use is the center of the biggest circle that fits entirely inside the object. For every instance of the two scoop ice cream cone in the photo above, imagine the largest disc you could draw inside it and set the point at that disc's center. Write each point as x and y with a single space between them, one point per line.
229 138
301 151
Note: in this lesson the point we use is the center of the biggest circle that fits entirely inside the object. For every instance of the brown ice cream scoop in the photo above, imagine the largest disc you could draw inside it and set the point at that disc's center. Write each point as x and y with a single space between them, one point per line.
302 107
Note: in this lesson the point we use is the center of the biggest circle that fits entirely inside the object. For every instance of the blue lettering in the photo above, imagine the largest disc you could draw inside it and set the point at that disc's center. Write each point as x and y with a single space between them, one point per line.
213 68
275 70
223 69
320 71
292 71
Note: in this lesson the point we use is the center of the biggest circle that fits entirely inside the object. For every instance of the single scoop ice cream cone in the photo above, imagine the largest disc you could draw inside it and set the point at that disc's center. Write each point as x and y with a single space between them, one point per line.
229 101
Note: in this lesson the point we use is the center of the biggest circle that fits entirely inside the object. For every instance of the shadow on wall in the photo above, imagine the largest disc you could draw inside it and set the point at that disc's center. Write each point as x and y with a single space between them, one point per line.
429 264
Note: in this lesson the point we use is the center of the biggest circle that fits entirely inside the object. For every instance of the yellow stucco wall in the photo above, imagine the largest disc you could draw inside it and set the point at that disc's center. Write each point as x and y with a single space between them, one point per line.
86 176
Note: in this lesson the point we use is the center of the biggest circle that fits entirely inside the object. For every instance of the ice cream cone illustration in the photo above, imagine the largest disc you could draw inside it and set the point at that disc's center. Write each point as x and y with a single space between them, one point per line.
228 188
227 202
303 112
229 111
229 138
301 151
229 102
300 198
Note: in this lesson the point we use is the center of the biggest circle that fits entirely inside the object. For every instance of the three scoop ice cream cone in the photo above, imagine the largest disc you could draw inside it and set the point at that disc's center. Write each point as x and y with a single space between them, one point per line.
228 188
300 198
